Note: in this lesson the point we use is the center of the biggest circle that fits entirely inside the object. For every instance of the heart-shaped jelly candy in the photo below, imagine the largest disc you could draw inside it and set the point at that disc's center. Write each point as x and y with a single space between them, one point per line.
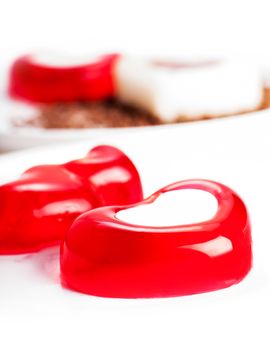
36 78
106 256
38 208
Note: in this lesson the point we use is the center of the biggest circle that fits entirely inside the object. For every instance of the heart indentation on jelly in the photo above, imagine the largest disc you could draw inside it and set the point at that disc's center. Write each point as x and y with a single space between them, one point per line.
127 252
173 208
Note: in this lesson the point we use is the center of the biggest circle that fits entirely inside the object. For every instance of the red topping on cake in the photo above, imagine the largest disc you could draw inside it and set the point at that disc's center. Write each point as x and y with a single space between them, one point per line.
37 82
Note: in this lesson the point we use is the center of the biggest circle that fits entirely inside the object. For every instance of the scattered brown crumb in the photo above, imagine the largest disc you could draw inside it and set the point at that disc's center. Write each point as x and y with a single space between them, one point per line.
80 115
112 114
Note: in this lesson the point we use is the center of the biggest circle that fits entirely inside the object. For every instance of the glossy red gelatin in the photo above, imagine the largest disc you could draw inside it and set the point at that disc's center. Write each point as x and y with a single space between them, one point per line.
36 82
38 208
104 256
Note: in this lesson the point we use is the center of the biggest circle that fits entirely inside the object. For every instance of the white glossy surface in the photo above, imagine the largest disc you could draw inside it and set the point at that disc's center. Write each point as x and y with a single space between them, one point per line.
173 209
37 312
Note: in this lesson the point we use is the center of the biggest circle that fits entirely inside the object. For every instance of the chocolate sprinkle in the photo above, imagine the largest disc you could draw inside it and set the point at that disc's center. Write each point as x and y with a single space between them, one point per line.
111 114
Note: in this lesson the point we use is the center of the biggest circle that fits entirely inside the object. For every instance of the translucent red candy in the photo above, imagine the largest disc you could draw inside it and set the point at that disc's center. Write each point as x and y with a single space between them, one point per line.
36 82
104 256
38 208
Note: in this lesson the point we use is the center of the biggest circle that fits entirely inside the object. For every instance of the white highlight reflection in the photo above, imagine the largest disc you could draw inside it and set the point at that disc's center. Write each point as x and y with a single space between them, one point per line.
216 247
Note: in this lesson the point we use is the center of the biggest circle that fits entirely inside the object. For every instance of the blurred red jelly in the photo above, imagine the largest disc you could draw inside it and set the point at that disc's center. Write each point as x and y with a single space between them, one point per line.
38 208
104 256
34 81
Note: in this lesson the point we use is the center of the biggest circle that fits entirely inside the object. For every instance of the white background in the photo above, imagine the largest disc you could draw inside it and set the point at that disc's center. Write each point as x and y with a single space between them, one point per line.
35 313
141 26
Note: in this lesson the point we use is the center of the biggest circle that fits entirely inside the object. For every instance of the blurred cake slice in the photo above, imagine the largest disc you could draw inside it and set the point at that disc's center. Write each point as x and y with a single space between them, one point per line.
189 91
117 90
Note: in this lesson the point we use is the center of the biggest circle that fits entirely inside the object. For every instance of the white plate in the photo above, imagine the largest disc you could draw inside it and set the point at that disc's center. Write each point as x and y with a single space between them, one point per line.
15 138
37 311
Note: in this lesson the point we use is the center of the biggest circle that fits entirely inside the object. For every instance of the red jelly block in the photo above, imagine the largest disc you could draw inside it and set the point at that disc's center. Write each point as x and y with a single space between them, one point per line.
34 81
38 208
104 256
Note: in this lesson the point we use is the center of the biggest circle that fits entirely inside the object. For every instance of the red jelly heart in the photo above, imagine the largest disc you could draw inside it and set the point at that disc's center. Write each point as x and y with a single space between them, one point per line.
38 208
105 256
36 82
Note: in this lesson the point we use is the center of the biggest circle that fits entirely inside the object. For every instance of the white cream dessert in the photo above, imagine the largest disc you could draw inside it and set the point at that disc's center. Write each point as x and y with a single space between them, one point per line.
175 92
